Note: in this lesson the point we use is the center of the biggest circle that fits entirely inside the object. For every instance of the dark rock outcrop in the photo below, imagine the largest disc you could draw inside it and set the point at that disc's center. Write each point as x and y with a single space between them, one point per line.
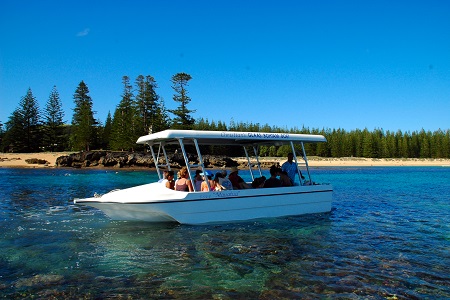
36 161
137 159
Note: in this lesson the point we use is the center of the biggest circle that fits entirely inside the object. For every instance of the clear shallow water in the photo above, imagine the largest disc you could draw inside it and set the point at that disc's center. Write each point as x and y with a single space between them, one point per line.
388 236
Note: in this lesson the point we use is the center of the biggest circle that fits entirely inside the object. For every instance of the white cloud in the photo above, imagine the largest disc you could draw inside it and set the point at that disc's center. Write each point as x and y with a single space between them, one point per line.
84 32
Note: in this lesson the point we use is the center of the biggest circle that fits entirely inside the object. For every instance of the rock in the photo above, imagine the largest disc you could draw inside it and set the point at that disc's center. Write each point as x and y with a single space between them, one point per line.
119 159
64 161
36 161
39 280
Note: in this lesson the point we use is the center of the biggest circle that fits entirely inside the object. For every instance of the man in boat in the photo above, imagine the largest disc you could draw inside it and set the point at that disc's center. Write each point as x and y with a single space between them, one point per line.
236 180
273 181
290 167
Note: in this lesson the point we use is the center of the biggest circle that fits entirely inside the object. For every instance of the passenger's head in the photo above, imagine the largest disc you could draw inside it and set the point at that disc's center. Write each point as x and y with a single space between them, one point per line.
170 175
207 174
273 170
183 172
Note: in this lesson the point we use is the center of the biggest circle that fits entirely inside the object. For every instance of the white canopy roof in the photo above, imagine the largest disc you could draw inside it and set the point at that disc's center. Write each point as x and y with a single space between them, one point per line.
227 137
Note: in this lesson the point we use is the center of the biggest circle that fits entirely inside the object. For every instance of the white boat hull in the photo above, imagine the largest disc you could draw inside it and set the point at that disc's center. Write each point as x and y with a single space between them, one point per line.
155 203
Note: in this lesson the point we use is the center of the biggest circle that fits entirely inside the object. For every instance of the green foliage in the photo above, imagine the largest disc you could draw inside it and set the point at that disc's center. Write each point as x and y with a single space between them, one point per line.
83 122
124 126
356 143
145 113
107 129
53 127
23 129
151 113
182 119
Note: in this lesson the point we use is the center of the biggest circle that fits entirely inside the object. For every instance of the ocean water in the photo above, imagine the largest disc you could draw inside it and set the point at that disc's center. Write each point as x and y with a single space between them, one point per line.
387 237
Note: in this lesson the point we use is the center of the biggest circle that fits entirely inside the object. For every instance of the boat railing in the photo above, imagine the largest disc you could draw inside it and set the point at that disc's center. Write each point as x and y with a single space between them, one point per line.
156 159
250 164
252 160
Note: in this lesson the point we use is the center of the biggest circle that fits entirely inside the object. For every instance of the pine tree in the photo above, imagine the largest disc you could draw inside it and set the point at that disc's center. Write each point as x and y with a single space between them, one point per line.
23 127
183 119
146 103
53 130
161 120
107 132
14 130
123 129
83 122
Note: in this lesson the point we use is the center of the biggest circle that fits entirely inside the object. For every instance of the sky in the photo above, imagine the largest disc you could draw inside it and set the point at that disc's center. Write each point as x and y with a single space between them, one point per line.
318 64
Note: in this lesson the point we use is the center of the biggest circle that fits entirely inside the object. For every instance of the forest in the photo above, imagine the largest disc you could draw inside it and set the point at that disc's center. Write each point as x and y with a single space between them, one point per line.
142 111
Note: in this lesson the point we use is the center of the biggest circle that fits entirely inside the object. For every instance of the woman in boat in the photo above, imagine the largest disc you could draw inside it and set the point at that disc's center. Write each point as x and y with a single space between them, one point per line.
212 183
170 183
198 180
184 184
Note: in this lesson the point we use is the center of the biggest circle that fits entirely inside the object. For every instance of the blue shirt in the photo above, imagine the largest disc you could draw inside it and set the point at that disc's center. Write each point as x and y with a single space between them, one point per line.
290 169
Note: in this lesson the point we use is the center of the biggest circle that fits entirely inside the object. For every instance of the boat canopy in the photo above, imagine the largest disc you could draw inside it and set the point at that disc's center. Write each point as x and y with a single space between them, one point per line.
169 137
253 140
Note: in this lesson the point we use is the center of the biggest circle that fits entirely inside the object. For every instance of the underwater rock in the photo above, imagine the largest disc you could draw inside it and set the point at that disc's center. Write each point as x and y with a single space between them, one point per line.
40 279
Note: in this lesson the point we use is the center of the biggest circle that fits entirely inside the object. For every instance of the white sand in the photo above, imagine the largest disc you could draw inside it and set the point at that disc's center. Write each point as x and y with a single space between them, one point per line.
17 160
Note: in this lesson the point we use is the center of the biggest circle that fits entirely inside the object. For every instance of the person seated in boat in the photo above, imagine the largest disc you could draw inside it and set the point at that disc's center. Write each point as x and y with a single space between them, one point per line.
198 180
236 180
285 180
224 181
170 183
259 182
273 181
164 178
212 184
184 184
178 177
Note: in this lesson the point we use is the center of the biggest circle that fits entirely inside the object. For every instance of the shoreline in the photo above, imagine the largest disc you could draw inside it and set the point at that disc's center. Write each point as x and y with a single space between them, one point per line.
18 160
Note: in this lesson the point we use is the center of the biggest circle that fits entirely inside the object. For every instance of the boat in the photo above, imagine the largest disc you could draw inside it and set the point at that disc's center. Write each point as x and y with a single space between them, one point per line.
153 202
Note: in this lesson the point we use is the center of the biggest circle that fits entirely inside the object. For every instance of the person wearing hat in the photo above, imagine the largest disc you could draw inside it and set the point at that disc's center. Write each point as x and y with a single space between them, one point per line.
212 183
236 180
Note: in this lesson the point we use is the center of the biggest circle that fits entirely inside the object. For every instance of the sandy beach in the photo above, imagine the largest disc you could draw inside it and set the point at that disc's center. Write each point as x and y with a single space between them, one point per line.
19 160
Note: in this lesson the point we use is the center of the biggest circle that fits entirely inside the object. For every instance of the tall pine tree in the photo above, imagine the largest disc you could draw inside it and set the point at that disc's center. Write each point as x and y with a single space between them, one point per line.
23 127
123 129
182 119
53 130
107 132
83 122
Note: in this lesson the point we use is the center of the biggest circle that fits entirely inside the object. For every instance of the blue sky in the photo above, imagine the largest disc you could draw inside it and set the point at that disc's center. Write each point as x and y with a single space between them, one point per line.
319 64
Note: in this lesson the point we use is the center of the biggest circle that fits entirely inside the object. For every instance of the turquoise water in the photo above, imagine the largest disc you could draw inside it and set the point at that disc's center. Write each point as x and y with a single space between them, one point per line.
387 237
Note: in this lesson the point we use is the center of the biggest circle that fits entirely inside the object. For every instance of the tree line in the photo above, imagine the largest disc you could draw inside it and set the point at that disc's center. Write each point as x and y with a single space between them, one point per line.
142 111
